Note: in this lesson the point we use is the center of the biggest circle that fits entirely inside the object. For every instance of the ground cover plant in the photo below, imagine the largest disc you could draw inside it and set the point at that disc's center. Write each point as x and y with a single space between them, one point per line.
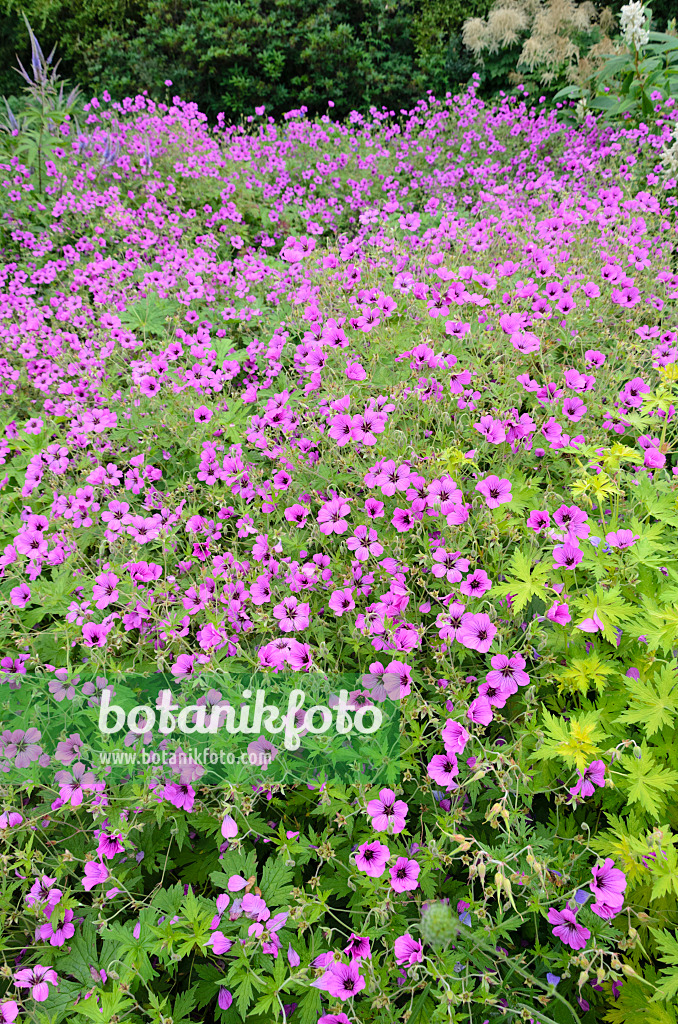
385 406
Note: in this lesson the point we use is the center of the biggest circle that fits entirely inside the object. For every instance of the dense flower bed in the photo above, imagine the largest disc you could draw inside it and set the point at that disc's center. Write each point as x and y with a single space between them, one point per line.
385 407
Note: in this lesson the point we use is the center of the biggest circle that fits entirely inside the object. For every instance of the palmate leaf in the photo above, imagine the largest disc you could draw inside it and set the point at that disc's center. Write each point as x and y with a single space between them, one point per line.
584 673
610 607
524 582
668 947
653 705
576 740
658 625
664 869
647 783
148 315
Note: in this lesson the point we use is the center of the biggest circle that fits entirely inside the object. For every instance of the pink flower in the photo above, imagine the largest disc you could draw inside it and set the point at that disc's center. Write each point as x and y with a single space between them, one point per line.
95 634
292 616
476 584
443 768
404 875
96 873
37 978
202 414
622 539
358 947
371 858
408 950
455 737
592 625
105 589
229 827
219 943
57 933
566 556
341 981
559 613
568 928
480 711
387 813
332 516
608 887
593 776
538 520
341 601
508 671
9 1011
20 596
476 632
355 371
496 491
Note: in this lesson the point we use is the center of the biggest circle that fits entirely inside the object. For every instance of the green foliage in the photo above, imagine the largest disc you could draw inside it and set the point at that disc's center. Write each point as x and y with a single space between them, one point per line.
233 55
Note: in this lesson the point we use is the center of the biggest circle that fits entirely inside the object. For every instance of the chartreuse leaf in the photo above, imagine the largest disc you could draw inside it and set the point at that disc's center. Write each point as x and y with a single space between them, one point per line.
646 782
576 739
668 948
524 581
653 705
582 674
658 625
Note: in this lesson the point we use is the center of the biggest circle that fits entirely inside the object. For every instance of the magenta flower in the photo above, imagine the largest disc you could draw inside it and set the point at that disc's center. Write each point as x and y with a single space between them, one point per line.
408 951
371 858
559 613
22 746
480 711
404 875
110 844
608 887
219 942
442 768
292 616
566 556
476 632
508 672
75 783
9 1011
332 516
455 737
387 813
341 981
96 873
37 979
622 539
229 827
476 584
225 998
296 514
20 596
496 491
568 928
538 520
105 589
358 947
593 776
341 601
57 933
95 634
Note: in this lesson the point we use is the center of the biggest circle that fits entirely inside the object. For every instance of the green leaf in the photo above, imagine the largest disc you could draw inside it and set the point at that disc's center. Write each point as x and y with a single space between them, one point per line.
646 782
653 706
525 582
148 315
668 947
275 882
